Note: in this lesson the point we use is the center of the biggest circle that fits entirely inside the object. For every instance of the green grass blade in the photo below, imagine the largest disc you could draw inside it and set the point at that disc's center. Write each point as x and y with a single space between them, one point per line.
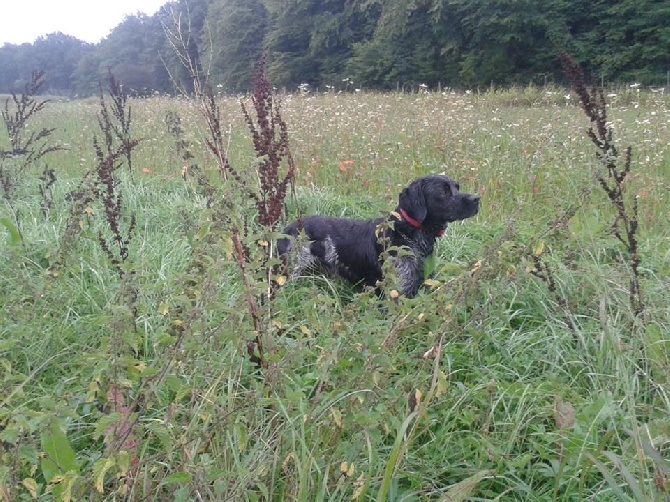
616 489
14 234
627 475
395 458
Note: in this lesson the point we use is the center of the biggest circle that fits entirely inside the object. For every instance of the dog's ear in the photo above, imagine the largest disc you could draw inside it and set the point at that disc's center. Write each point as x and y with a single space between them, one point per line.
413 200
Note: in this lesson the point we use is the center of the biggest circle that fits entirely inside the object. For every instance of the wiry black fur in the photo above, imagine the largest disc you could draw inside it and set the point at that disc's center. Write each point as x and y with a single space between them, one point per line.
351 248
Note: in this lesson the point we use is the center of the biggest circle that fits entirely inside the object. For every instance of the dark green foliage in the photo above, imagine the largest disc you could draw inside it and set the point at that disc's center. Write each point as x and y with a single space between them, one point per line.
635 40
411 45
58 56
237 30
383 44
310 42
502 39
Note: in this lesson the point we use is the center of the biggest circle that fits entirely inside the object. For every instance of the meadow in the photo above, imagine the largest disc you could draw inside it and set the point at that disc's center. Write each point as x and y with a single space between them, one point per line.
522 371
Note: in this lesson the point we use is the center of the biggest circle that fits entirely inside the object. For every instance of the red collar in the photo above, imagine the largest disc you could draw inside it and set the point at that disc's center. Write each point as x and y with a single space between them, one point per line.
414 223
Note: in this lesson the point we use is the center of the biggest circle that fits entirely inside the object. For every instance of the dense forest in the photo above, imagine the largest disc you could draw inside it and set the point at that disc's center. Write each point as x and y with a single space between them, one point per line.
371 44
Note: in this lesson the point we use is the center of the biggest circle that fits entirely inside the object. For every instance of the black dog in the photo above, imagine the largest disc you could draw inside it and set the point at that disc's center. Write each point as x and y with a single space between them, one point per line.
352 248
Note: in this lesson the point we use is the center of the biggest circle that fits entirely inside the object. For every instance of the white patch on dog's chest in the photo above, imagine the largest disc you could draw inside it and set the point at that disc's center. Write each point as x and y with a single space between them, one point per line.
330 252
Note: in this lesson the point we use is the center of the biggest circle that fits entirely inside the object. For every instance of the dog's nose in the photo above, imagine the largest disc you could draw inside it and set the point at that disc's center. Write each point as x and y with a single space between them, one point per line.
473 198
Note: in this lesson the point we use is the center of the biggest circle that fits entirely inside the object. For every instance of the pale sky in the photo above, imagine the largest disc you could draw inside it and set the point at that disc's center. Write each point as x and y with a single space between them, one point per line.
89 20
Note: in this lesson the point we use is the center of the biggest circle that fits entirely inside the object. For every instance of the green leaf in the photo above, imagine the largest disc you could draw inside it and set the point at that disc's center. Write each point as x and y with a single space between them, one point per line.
656 346
613 484
182 494
162 433
176 385
104 423
180 478
397 453
429 266
627 475
661 463
14 234
59 456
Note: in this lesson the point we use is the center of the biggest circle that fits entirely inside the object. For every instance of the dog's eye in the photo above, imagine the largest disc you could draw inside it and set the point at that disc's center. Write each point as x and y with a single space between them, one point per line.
449 189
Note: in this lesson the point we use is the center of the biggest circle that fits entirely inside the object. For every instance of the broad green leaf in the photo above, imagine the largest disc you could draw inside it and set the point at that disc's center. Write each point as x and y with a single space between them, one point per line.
59 456
105 423
162 433
180 478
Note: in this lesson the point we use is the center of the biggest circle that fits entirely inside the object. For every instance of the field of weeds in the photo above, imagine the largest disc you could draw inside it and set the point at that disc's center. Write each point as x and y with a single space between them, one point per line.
152 349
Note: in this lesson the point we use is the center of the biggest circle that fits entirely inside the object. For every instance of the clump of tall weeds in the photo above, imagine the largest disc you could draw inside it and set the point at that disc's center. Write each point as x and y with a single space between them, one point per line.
25 148
115 150
114 122
270 137
614 177
98 203
101 184
189 168
265 184
271 145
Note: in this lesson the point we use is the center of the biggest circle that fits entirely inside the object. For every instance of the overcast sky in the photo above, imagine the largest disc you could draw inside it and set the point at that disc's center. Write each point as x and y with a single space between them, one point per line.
90 20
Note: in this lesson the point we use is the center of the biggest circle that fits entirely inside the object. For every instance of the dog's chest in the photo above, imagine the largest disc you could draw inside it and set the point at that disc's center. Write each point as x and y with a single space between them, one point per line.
420 244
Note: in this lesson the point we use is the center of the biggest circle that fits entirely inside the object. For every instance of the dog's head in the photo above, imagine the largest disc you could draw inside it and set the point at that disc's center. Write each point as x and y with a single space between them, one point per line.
434 201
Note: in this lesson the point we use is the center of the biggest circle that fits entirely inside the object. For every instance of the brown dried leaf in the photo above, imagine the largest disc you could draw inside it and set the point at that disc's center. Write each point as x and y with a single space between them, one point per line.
564 414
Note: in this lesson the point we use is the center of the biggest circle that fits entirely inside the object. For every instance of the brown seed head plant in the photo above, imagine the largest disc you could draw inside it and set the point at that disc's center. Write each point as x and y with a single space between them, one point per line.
615 176
273 168
114 122
25 149
270 137
110 154
99 194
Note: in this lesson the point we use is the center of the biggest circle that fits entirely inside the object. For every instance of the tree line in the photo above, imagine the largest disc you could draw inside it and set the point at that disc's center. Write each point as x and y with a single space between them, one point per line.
373 44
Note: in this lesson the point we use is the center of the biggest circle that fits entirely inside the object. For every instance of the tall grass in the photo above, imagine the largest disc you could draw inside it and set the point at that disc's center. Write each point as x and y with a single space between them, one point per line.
491 385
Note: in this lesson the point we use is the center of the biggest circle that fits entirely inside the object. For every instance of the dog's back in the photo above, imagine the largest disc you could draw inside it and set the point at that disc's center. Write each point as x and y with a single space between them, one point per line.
345 247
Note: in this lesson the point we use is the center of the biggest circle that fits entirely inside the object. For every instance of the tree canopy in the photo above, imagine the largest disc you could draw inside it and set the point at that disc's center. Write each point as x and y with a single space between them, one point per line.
380 44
